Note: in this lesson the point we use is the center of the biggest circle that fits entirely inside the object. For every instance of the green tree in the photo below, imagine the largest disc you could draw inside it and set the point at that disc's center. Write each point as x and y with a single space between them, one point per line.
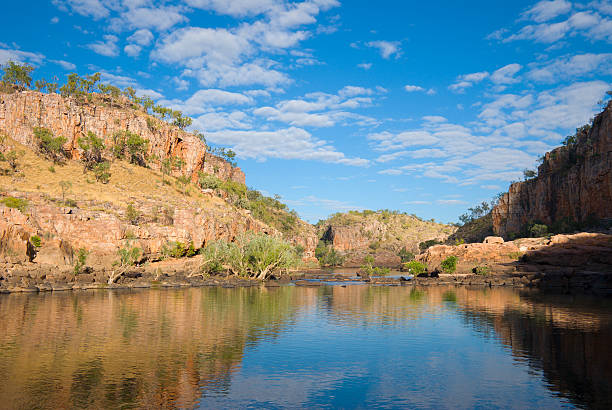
529 174
52 147
449 265
80 260
18 74
102 172
92 147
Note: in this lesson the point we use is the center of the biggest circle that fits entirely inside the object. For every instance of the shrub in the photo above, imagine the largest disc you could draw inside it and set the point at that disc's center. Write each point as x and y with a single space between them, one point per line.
178 250
126 143
92 147
128 255
515 255
374 245
81 258
36 241
252 255
327 255
132 214
12 157
50 146
370 269
405 255
415 267
208 181
65 187
481 270
17 203
423 246
538 230
102 172
449 265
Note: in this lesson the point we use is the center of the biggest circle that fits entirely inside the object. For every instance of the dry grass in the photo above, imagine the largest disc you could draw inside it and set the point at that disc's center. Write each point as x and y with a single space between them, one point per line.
127 183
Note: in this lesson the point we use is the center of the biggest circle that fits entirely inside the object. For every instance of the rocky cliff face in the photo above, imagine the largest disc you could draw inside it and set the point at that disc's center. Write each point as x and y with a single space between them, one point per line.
574 185
72 118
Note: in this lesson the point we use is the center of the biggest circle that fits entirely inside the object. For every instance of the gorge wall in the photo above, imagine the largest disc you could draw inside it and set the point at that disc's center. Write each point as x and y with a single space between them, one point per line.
573 186
72 118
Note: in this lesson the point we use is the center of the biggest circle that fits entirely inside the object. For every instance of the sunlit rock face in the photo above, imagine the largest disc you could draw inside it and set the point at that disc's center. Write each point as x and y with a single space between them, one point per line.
574 184
21 112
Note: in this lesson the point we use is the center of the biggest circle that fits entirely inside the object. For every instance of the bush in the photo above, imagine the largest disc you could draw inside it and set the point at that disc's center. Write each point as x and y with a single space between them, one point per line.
128 255
18 74
538 230
102 172
251 255
132 214
92 147
208 181
16 203
370 269
81 258
126 143
36 241
481 270
405 255
327 255
414 267
178 250
50 146
449 265
423 246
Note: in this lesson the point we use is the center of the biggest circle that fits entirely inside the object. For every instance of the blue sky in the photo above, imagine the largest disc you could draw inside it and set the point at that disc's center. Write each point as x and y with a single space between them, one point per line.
425 107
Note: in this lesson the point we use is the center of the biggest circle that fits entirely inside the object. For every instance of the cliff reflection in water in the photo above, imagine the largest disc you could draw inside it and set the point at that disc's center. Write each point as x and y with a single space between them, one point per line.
148 349
182 348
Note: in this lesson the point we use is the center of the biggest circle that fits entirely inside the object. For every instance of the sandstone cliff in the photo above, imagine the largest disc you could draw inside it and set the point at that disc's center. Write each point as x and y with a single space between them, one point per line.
72 118
382 234
573 187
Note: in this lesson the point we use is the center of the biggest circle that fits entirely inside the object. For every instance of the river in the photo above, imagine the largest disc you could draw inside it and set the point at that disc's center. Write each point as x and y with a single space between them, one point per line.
327 346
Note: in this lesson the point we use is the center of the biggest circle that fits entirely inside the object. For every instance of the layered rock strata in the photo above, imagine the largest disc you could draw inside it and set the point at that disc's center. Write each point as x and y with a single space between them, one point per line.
573 186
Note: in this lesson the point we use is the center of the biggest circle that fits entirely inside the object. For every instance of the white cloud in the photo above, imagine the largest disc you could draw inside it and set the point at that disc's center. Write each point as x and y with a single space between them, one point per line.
108 47
547 10
505 75
20 56
451 202
215 121
416 88
66 65
365 66
387 49
288 143
385 141
418 203
571 67
132 50
54 20
235 8
142 37
92 8
467 80
161 18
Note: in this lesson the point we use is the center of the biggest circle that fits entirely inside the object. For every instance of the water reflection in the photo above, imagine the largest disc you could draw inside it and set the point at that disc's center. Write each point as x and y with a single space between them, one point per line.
352 346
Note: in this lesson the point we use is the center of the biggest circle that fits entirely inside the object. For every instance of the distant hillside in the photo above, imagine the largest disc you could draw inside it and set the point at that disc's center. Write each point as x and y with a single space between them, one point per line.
381 233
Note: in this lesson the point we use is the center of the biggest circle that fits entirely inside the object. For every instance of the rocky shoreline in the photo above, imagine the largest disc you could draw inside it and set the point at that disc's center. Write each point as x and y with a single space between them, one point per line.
143 278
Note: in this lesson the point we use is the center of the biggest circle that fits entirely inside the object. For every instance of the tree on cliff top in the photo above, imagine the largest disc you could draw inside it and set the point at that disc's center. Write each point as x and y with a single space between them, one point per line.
18 74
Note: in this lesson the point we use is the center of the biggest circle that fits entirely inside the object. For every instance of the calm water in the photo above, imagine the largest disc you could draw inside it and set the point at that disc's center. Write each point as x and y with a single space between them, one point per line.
359 346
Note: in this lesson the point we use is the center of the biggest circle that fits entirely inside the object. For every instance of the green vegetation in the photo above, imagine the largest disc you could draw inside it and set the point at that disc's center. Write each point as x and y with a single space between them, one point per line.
130 145
327 255
36 241
50 146
369 268
423 246
17 203
102 172
414 267
405 255
481 270
449 265
529 174
92 147
132 214
256 256
178 250
80 260
18 74
65 186
538 230
515 255
225 153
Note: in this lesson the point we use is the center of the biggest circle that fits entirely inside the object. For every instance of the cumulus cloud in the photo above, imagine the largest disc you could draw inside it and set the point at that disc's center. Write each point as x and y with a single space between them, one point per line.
20 56
91 8
66 65
467 80
571 67
547 10
416 88
107 47
287 143
387 49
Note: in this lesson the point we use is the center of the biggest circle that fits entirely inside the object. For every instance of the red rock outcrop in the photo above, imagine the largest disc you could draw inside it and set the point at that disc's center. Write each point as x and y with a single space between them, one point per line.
72 118
561 254
574 184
